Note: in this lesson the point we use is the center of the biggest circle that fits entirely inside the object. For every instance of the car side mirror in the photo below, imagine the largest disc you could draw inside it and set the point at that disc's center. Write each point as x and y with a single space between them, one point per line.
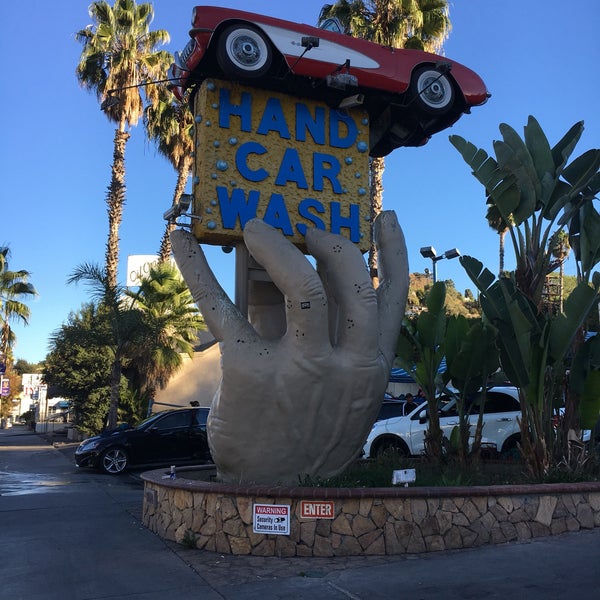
423 417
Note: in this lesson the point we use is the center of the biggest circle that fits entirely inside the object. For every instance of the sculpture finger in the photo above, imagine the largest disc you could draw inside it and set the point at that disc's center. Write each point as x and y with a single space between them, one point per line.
393 279
221 315
305 298
349 284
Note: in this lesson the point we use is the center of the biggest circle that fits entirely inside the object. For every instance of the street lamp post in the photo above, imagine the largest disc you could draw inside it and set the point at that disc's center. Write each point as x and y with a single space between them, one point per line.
429 252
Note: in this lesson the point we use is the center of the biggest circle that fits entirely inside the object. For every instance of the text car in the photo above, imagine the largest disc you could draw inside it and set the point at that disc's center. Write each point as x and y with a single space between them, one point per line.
406 435
169 437
408 94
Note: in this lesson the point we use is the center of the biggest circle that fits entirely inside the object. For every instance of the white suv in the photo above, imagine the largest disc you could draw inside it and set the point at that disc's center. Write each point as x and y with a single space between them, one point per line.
406 434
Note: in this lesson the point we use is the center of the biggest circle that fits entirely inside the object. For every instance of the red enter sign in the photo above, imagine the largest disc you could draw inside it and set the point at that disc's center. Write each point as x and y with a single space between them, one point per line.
310 509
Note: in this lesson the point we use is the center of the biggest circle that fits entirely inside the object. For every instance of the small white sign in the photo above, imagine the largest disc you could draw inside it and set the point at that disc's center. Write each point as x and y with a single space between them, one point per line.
138 266
271 519
404 476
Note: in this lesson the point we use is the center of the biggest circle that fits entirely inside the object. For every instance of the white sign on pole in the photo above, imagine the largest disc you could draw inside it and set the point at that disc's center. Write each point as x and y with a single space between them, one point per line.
271 518
138 266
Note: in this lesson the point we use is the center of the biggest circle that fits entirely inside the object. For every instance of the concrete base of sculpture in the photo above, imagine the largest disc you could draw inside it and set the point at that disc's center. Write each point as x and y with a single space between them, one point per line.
365 521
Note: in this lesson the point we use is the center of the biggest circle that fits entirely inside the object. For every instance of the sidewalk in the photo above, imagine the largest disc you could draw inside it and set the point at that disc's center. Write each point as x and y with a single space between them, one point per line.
68 533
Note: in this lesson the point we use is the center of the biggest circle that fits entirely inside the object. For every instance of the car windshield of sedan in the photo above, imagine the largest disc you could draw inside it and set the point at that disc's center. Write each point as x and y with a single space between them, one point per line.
148 420
332 24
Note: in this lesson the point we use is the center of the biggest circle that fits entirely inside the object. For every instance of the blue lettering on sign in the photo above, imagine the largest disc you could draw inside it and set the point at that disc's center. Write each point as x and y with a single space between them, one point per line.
277 216
314 125
238 205
242 110
328 167
273 119
241 161
336 139
304 209
235 206
351 222
290 170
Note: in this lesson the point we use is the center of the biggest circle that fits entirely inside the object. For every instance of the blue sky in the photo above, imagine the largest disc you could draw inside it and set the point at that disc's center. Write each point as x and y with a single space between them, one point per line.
537 58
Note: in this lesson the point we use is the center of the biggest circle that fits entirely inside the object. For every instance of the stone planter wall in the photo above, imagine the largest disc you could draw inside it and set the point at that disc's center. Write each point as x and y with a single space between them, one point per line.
366 521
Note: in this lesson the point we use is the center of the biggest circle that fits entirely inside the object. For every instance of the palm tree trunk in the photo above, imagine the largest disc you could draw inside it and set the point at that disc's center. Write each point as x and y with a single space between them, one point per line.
376 169
115 383
561 275
115 201
183 174
501 252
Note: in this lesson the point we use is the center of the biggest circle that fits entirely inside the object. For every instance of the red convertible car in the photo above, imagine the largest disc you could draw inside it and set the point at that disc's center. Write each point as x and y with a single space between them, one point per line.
408 94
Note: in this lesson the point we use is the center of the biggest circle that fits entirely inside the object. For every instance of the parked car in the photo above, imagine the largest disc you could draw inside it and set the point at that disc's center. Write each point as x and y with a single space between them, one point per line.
170 437
408 94
406 434
392 407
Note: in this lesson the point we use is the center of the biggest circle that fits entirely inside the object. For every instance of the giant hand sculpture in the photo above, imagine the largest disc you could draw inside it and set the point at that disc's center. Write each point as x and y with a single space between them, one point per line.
301 401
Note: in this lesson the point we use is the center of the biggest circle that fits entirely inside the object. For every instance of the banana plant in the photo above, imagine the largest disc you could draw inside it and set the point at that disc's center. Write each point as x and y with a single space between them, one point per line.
534 190
533 347
419 351
471 358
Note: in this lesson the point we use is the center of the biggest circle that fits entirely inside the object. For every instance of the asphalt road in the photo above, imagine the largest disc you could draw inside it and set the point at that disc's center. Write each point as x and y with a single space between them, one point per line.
76 534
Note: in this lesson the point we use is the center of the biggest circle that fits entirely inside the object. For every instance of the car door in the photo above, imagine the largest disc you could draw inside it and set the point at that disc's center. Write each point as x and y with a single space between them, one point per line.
501 418
168 438
198 438
419 423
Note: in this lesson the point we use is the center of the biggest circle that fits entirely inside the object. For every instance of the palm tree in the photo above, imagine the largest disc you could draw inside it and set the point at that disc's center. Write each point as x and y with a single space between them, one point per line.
14 288
122 328
423 24
171 323
559 247
169 124
119 55
499 225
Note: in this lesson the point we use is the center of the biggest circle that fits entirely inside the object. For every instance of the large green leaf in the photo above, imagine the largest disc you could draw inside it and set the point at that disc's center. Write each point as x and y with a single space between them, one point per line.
540 151
432 323
564 148
405 353
577 308
582 170
589 242
524 167
589 406
585 380
471 354
481 276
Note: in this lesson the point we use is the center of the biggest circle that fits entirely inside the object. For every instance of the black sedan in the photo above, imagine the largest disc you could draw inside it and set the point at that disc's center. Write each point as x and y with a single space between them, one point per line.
170 437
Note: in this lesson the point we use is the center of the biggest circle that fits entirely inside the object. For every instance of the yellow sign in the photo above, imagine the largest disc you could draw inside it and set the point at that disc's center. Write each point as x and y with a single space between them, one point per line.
292 162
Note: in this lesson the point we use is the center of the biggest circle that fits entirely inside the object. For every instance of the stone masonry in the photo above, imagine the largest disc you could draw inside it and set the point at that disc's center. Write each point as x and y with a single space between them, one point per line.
376 521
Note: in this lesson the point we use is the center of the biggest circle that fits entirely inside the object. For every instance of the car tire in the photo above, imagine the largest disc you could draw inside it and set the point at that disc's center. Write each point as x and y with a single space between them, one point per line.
390 446
510 449
114 460
243 52
432 91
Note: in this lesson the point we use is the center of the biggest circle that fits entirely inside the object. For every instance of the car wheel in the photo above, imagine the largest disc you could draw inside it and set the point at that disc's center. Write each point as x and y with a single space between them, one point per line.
114 461
510 449
243 52
432 91
391 447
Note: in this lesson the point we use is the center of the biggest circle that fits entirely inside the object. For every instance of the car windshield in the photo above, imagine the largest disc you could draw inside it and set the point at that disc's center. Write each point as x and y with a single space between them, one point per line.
151 419
331 24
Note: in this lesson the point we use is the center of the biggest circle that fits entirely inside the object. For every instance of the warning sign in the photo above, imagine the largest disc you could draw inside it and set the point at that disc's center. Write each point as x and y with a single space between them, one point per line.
272 518
310 509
